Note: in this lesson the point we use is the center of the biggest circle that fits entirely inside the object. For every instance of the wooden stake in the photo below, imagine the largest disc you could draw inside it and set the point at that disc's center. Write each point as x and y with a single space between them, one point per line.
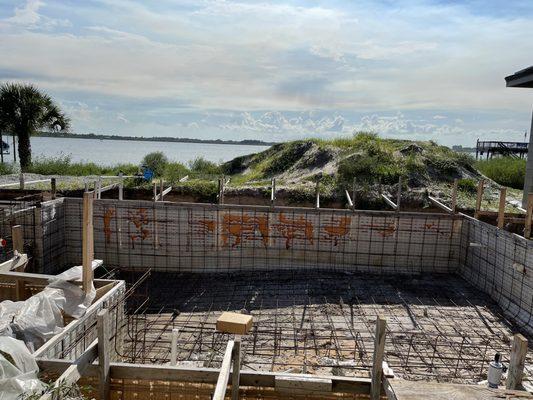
99 192
155 191
353 194
516 363
454 195
235 377
501 208
53 187
17 237
399 194
103 325
529 215
21 180
377 365
121 186
87 242
161 188
174 347
480 189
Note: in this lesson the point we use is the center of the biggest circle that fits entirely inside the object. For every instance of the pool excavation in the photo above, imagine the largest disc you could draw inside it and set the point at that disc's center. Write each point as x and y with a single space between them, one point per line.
345 303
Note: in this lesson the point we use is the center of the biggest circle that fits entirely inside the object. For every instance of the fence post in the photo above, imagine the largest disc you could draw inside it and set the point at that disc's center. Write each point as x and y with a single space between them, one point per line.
102 323
516 363
17 237
53 187
87 242
479 198
235 377
377 365
501 207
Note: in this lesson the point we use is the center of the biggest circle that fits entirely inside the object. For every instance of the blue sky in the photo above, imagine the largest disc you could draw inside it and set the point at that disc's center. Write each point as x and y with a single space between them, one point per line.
276 70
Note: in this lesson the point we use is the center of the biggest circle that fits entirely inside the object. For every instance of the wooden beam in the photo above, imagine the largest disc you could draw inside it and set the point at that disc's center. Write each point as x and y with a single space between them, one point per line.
87 242
295 385
184 179
516 363
17 237
75 370
235 376
479 198
223 377
529 215
454 195
501 207
377 365
149 372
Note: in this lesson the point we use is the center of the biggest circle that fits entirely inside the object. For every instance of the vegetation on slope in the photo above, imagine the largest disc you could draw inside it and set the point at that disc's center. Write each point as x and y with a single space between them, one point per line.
506 171
363 158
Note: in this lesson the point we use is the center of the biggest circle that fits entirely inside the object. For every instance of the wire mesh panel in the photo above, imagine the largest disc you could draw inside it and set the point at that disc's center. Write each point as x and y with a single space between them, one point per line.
212 238
497 262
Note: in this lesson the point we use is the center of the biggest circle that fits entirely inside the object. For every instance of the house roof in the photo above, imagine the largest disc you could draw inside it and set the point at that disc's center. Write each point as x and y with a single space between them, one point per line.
522 78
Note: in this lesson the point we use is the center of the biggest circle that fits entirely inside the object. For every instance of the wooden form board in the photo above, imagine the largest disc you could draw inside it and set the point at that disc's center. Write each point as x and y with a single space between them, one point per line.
416 390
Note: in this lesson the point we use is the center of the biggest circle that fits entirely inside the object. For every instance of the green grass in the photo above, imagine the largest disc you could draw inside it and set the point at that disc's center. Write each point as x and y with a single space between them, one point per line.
6 169
62 165
506 171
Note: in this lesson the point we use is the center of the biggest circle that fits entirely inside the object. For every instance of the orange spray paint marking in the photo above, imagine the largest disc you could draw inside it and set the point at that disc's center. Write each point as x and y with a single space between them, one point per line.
242 227
296 228
139 218
108 215
341 229
207 226
385 230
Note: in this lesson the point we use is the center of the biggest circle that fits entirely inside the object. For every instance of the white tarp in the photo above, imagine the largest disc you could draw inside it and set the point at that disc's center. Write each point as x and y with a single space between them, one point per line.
18 370
40 317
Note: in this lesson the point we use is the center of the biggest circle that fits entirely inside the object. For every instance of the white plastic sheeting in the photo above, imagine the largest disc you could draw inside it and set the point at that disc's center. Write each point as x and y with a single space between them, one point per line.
40 317
18 370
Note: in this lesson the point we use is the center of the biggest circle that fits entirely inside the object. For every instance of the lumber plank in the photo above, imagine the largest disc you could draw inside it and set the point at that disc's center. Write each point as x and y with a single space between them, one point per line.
415 390
501 208
102 324
225 370
379 350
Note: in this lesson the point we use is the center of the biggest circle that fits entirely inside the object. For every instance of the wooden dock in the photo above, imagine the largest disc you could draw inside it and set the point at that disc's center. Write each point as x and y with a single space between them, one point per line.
509 149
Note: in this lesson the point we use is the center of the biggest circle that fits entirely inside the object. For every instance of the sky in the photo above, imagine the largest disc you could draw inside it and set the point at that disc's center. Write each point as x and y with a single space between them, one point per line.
414 69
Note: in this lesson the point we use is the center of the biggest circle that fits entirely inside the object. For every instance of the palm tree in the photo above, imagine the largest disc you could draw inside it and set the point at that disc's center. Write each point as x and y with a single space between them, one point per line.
24 110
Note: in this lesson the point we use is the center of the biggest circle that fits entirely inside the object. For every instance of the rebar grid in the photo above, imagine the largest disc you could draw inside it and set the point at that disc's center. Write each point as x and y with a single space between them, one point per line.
438 327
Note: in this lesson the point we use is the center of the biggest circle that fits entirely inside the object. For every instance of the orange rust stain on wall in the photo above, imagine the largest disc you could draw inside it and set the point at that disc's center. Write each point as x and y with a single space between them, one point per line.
139 219
241 227
108 216
340 229
295 228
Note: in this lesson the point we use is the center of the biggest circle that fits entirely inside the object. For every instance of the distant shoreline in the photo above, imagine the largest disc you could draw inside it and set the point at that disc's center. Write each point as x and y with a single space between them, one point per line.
154 139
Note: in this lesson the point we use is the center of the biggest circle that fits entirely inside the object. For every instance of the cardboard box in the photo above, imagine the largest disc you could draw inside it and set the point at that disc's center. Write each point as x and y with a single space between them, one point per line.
230 322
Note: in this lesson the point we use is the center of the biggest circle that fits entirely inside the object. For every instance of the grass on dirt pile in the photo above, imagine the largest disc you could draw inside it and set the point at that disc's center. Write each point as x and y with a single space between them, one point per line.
365 157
